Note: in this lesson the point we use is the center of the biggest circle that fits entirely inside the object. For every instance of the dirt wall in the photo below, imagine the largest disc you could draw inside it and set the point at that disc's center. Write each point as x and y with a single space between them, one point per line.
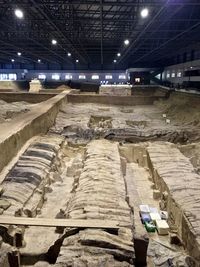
181 108
114 100
14 134
27 97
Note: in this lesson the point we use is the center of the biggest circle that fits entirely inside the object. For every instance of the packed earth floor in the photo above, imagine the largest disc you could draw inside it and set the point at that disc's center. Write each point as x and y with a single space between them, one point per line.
106 163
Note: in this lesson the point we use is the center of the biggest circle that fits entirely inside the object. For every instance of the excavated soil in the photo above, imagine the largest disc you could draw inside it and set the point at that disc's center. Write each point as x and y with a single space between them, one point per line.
118 123
181 109
9 111
100 162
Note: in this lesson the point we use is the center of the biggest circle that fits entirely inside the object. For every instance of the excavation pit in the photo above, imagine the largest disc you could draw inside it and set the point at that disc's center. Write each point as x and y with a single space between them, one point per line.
65 169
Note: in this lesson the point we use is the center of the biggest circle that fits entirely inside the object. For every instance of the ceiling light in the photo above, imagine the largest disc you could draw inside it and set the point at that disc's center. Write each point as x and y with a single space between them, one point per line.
144 13
77 61
118 54
19 14
69 54
19 54
54 42
114 60
126 42
39 60
12 60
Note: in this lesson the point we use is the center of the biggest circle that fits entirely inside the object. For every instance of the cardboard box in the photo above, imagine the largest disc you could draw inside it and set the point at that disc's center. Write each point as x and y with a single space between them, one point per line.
162 227
155 216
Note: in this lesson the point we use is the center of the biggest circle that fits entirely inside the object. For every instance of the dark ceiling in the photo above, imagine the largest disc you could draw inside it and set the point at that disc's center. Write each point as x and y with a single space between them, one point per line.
94 32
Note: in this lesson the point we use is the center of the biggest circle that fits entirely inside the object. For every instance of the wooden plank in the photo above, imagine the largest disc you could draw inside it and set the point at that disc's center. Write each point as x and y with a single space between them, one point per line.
105 224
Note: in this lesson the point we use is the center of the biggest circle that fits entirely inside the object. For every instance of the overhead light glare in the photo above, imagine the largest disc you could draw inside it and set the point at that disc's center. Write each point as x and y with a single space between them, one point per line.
54 42
12 60
114 60
69 54
119 54
144 13
126 42
55 77
39 60
77 61
19 14
19 54
95 77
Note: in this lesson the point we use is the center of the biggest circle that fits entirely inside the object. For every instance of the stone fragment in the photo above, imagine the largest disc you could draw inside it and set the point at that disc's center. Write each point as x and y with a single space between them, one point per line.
1 190
162 205
4 204
156 194
165 195
153 186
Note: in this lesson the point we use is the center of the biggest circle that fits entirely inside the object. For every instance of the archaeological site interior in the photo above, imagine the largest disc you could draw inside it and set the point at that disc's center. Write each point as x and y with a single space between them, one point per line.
100 133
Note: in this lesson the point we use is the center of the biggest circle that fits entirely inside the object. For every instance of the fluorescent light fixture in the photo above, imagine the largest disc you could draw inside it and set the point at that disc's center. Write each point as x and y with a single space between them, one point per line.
114 60
69 54
41 76
68 76
19 14
82 77
108 77
54 42
144 12
119 54
126 42
95 77
122 77
173 74
39 60
55 77
12 60
77 61
19 54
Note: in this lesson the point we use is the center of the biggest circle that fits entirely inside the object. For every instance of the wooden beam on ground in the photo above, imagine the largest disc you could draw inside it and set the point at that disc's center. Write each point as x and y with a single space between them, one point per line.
75 223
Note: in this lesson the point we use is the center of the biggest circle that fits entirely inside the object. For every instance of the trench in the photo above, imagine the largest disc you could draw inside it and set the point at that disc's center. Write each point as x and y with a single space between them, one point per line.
102 166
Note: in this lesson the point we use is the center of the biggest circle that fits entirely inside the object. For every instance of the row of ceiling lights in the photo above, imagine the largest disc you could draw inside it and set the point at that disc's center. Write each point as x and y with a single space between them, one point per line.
144 14
20 15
